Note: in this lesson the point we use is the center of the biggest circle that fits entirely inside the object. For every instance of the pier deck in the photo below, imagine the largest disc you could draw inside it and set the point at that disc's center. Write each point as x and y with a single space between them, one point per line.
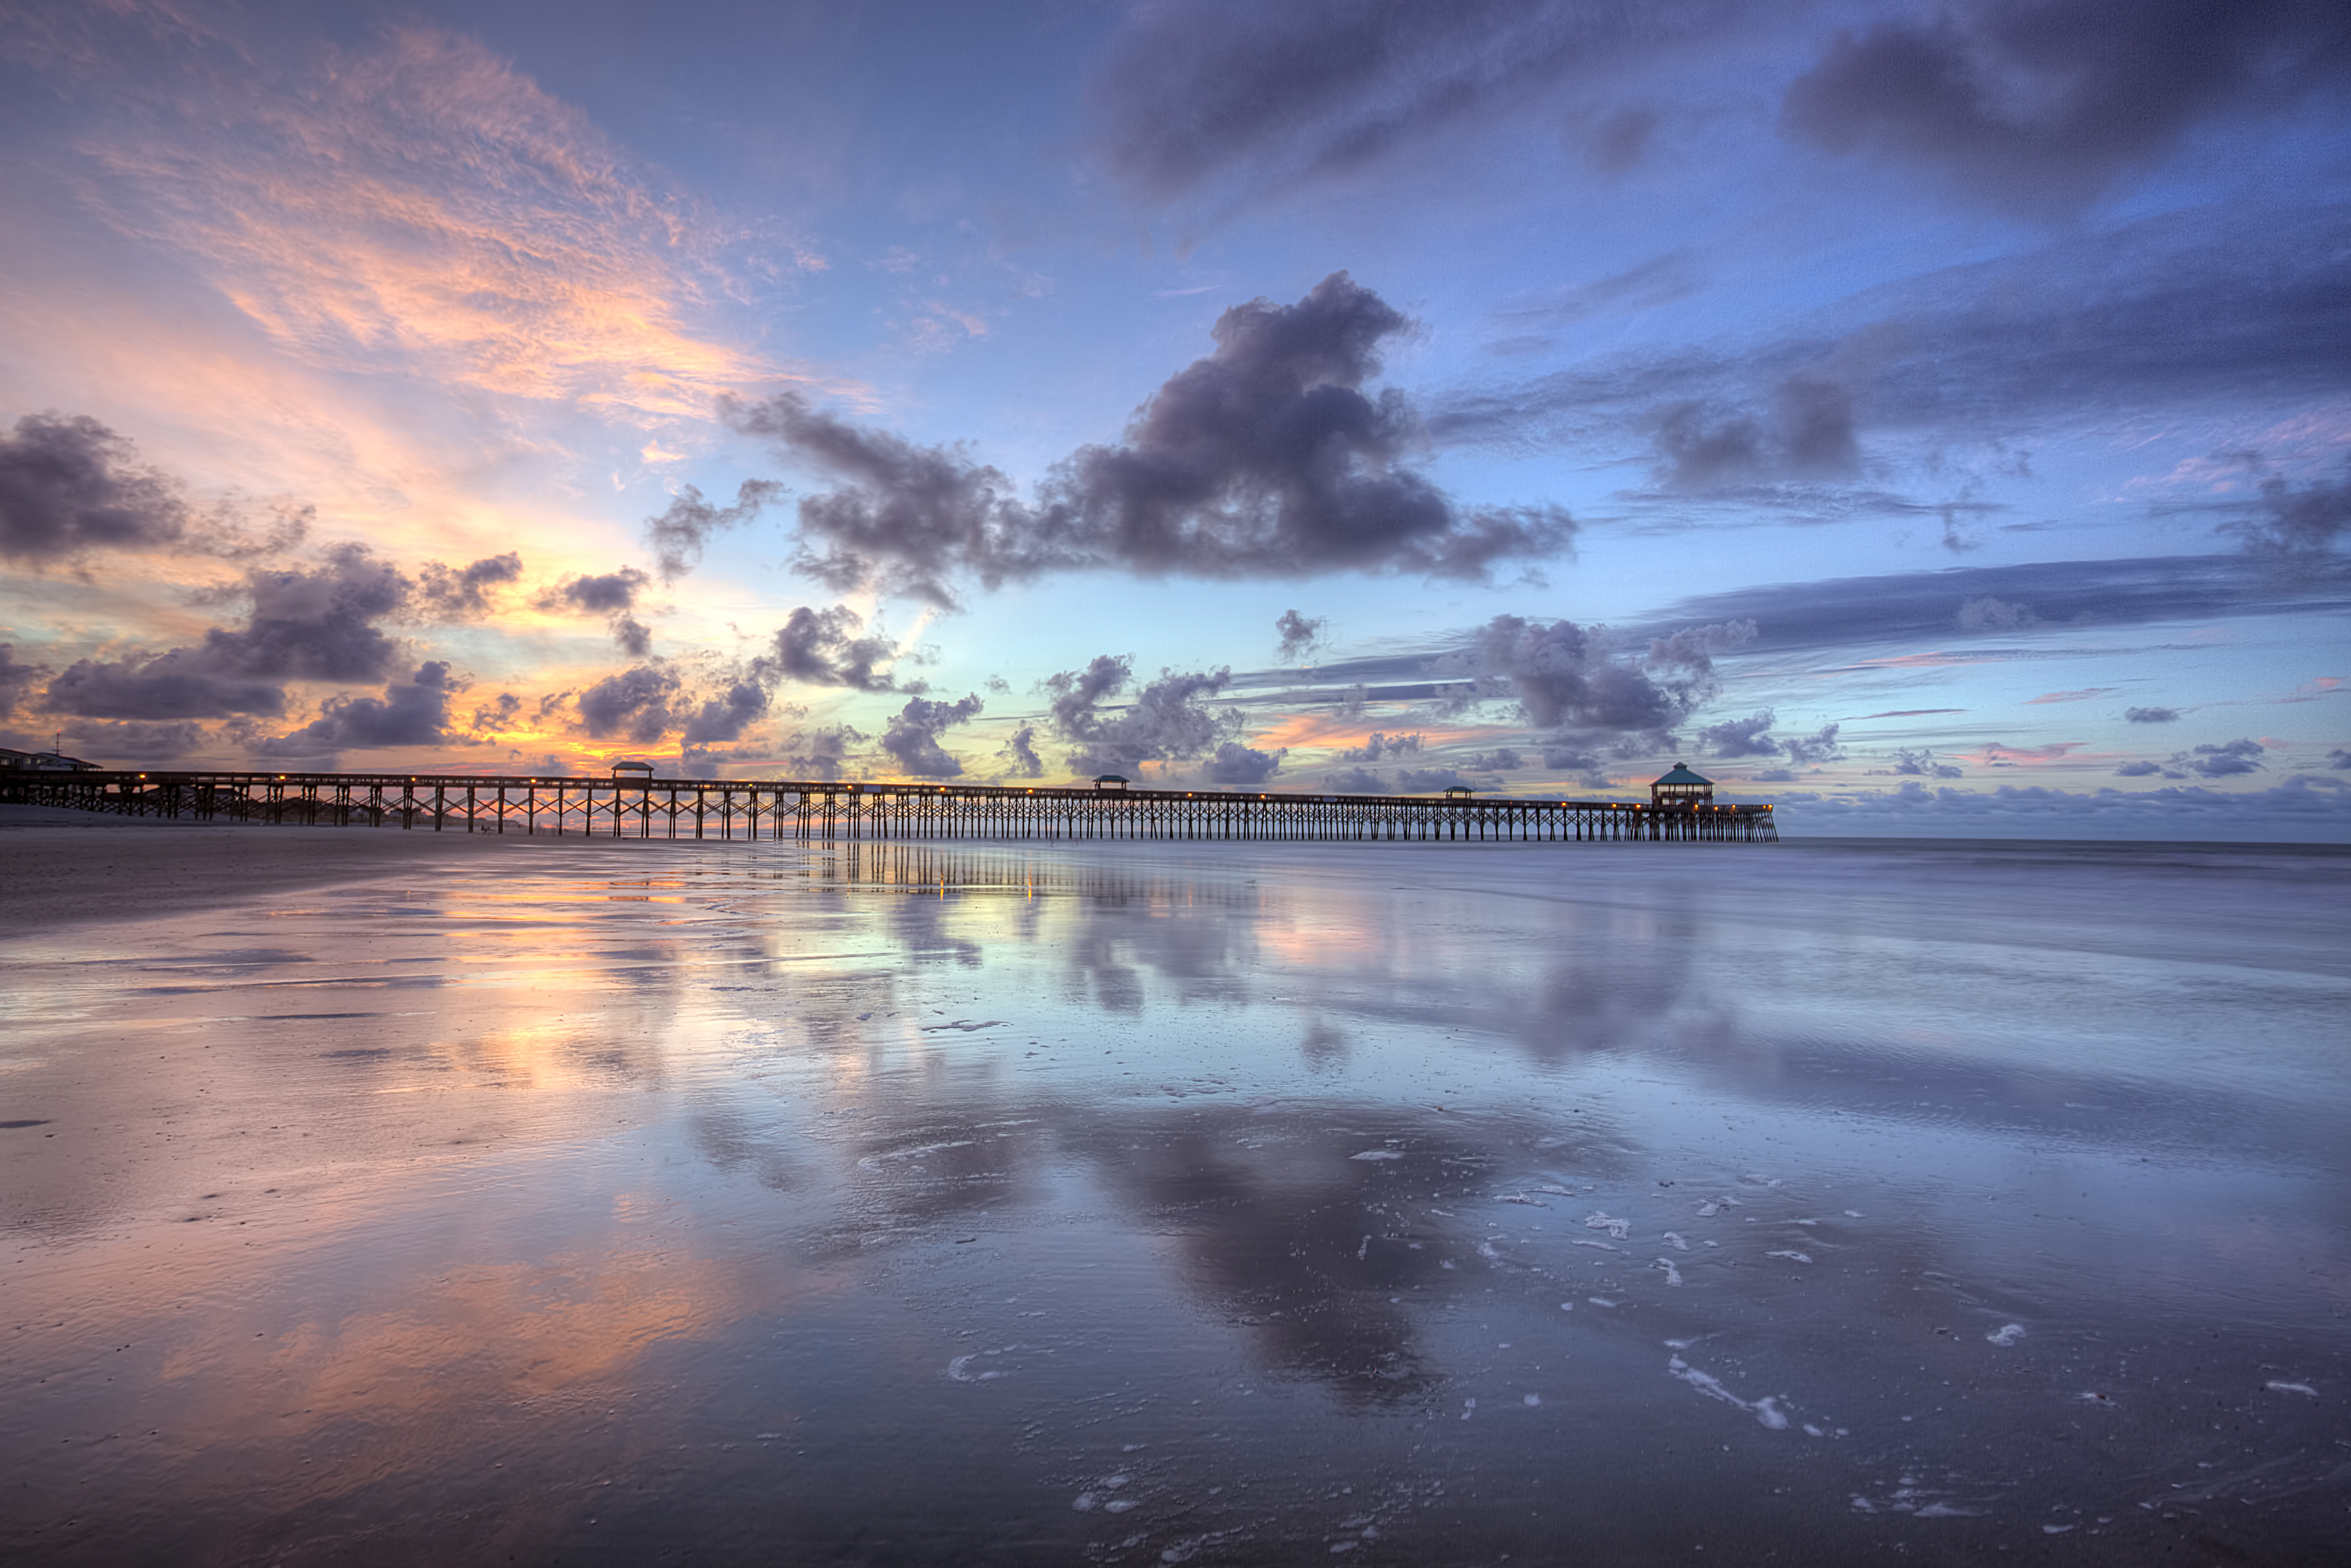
650 807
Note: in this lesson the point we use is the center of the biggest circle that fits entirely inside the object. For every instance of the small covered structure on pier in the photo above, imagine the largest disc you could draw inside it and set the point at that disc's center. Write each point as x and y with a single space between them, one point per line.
1681 787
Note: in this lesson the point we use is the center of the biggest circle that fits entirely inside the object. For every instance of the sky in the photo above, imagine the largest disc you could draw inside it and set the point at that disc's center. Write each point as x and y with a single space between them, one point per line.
1933 419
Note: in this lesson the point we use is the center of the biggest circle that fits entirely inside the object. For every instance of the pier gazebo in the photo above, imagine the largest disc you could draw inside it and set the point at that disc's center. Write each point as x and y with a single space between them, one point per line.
1681 787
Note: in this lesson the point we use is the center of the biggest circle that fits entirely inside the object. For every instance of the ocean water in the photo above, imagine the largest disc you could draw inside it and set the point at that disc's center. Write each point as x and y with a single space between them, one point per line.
1143 1204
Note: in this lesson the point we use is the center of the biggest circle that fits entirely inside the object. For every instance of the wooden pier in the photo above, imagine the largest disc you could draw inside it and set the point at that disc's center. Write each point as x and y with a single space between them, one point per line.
650 808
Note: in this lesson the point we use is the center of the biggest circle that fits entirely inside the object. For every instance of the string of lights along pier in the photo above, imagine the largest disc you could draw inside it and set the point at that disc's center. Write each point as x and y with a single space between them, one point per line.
633 803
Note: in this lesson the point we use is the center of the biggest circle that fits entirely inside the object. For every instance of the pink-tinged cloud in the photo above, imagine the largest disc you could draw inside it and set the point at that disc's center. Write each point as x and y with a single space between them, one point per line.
1901 713
2086 695
423 208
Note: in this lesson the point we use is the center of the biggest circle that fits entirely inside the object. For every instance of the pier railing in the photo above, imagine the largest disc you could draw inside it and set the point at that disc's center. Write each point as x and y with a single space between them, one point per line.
648 808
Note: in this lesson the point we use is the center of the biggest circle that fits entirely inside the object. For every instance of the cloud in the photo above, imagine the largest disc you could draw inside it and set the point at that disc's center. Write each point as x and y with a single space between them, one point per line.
1917 607
1502 760
737 705
307 626
410 712
1355 781
1200 91
678 535
2039 106
1805 432
913 735
1020 753
2151 714
1564 674
131 742
462 595
604 593
1746 736
2338 758
1265 459
822 648
2181 312
823 753
1169 720
1989 614
2291 521
1300 635
1239 766
1921 763
612 594
2222 761
2302 810
68 486
1378 745
2139 769
17 677
419 197
633 705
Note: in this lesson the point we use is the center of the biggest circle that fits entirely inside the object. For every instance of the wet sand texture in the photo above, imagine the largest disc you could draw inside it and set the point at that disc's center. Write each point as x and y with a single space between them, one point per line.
1416 1204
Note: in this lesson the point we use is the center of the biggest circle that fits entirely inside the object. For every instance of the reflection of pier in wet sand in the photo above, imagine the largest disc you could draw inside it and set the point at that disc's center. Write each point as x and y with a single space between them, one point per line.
640 806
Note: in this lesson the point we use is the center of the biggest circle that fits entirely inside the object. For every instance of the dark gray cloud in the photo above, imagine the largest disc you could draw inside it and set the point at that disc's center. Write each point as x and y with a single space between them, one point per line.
678 535
2139 770
1379 746
1265 459
612 594
1239 766
2039 106
1805 433
1920 607
633 705
2222 761
823 648
1566 675
1169 720
1752 737
1020 753
1300 635
130 742
734 708
1355 781
912 738
1195 92
17 677
2297 521
415 712
316 624
170 686
71 485
462 593
1921 763
497 715
604 593
2174 312
2338 758
823 753
2151 714
1502 760
1748 736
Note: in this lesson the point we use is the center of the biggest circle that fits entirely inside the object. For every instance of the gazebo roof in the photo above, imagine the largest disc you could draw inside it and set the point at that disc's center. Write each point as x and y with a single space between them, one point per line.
1682 775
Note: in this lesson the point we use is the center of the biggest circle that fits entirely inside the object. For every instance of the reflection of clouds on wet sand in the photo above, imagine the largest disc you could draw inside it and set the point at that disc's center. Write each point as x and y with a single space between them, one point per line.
1017 1170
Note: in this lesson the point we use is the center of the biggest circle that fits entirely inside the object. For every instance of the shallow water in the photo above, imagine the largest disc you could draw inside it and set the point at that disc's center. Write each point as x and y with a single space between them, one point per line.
1408 1203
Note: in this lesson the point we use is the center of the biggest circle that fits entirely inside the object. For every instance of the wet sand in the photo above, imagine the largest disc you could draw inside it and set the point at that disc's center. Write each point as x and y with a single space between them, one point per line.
903 1204
64 866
